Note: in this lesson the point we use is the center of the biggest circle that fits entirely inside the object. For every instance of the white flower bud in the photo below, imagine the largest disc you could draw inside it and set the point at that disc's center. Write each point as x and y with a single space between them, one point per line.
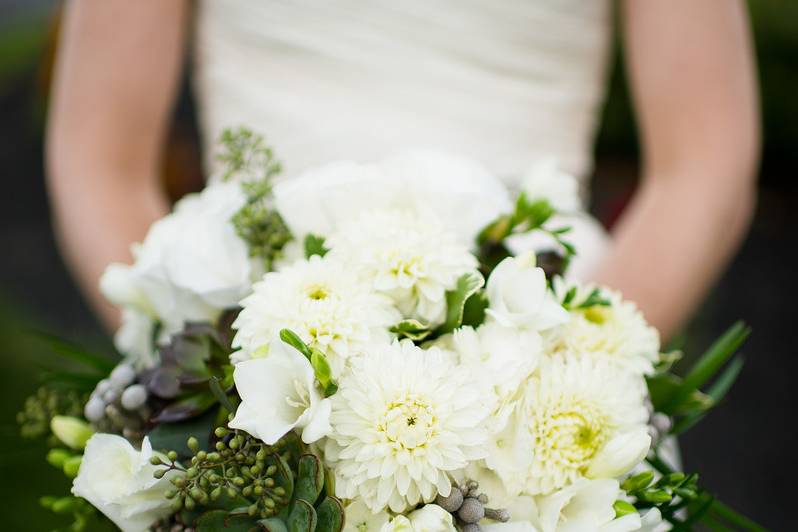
102 387
134 396
122 375
94 409
110 396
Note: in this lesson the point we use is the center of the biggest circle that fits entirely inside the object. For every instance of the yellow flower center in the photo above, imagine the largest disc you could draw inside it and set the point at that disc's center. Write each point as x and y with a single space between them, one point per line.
317 292
408 423
568 434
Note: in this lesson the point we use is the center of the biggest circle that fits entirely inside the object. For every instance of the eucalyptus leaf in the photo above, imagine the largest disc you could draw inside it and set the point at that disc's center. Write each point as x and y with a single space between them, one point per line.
272 524
215 520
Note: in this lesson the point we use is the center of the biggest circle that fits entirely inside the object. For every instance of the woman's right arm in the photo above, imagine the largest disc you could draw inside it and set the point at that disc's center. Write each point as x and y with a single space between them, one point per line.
116 75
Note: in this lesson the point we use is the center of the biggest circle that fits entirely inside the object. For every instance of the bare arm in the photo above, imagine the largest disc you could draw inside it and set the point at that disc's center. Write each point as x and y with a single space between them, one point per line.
115 80
692 73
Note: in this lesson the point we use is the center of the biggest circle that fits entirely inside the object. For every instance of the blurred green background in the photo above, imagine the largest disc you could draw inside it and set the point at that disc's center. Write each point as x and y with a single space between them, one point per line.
744 451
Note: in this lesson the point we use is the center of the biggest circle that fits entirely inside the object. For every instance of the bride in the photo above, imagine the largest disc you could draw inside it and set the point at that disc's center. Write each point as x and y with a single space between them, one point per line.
502 82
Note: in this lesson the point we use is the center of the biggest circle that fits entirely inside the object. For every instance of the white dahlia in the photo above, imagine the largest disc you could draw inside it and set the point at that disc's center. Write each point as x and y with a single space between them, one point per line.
410 257
616 331
578 418
402 420
323 302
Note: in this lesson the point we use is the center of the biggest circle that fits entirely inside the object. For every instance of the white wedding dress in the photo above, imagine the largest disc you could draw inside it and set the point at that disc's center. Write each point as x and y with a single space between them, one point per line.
502 82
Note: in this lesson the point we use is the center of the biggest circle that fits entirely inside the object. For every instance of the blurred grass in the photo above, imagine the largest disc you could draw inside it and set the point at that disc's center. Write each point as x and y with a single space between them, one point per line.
26 474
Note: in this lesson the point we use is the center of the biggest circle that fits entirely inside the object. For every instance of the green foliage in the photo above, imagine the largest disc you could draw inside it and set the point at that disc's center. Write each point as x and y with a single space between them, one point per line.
245 484
246 157
595 298
676 495
84 516
683 399
467 286
314 245
530 214
40 408
412 329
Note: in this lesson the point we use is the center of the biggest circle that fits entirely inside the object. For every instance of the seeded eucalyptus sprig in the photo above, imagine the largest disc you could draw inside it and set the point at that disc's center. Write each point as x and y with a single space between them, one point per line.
266 487
41 407
247 158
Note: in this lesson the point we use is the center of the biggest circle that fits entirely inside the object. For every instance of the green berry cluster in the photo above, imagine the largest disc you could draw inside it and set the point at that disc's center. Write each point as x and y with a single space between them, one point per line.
242 471
46 403
247 158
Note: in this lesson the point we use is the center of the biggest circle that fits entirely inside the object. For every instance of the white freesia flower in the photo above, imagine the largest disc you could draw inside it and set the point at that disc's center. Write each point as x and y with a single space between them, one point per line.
322 301
579 418
358 518
585 505
190 267
463 193
617 332
410 257
118 480
402 419
519 295
428 518
545 180
503 358
279 394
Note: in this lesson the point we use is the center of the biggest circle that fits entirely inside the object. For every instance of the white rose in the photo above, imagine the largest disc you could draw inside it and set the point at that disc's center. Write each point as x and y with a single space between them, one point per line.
278 394
190 267
519 296
459 191
118 480
503 357
428 518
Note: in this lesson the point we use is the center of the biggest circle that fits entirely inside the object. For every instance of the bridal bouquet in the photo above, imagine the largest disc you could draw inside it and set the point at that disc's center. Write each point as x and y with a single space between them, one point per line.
373 347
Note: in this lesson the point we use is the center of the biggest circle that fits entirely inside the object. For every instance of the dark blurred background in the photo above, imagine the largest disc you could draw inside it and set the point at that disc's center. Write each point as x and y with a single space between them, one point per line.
745 450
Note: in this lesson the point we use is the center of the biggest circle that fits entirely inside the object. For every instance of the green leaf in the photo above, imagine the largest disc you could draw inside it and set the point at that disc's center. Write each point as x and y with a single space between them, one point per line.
314 245
474 309
291 338
286 477
215 520
739 521
716 393
412 329
74 352
173 436
711 361
533 213
467 285
272 524
330 514
302 517
216 388
310 478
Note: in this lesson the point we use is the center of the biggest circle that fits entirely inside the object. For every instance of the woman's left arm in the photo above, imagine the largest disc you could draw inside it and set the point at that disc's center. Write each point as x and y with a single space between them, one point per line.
692 73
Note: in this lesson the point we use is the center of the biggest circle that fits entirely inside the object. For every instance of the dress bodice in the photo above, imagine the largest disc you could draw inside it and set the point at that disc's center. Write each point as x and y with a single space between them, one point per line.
503 82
